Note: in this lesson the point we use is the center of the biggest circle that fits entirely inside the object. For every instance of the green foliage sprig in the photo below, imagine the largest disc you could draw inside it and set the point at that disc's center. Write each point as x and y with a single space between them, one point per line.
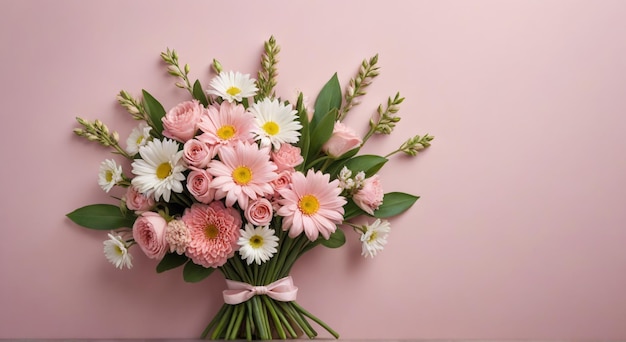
170 57
99 132
413 146
267 75
356 88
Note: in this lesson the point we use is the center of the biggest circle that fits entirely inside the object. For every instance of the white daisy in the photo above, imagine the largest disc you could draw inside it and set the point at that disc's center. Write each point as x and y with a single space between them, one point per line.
138 137
276 123
233 86
374 237
116 251
110 174
160 169
257 244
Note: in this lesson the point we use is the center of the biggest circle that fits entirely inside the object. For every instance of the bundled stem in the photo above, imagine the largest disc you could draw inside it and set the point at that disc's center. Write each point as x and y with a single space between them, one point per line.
262 317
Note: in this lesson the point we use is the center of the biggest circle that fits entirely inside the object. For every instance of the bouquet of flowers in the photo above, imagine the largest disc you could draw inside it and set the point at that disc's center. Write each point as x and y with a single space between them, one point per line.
238 180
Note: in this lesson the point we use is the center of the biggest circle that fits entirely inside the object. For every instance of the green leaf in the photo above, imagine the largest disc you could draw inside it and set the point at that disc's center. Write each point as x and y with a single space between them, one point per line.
336 239
102 217
328 98
155 111
368 163
395 203
170 261
322 132
352 210
303 143
193 273
198 93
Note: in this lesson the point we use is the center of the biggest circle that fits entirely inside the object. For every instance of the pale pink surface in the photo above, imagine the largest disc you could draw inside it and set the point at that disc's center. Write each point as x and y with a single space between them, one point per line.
520 230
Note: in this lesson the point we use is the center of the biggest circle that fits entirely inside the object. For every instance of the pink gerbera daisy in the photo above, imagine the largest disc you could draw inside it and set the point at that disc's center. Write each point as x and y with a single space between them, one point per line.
213 233
312 204
244 171
226 123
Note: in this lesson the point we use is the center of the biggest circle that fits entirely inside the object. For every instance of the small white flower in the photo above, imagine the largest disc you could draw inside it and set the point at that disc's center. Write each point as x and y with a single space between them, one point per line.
374 238
110 174
233 86
160 169
345 182
359 180
257 244
116 251
138 137
345 174
276 123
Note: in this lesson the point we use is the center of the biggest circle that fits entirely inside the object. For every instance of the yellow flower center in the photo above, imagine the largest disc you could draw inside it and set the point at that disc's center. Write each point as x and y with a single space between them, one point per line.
308 204
164 170
211 231
108 176
271 128
118 250
226 132
372 237
232 91
140 139
256 241
242 175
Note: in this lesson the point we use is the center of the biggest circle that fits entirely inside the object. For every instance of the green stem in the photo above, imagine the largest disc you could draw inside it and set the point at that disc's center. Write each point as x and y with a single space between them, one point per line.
251 326
277 323
259 319
286 323
222 322
214 321
295 316
231 321
237 327
315 319
392 153
368 135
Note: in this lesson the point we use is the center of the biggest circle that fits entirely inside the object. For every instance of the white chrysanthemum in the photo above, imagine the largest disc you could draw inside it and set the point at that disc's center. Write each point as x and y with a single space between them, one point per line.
257 244
116 251
110 174
276 123
374 238
138 137
233 86
160 169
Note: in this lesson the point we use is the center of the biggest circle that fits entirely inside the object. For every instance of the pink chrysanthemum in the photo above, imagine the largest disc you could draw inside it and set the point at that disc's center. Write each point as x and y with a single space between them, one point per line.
226 123
213 231
312 204
243 172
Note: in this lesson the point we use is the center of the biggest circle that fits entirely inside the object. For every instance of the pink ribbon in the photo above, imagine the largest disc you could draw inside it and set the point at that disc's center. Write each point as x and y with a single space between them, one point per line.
282 290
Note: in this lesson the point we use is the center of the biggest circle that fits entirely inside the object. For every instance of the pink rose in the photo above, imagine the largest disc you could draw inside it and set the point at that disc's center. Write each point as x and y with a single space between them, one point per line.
197 153
287 157
282 181
343 140
198 182
259 212
181 122
149 233
137 201
370 197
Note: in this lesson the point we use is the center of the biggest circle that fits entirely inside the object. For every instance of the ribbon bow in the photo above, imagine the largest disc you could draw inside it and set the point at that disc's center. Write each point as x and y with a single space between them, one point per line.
282 290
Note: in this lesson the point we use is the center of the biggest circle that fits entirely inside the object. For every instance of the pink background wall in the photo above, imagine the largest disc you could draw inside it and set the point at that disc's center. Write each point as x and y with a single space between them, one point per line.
520 232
